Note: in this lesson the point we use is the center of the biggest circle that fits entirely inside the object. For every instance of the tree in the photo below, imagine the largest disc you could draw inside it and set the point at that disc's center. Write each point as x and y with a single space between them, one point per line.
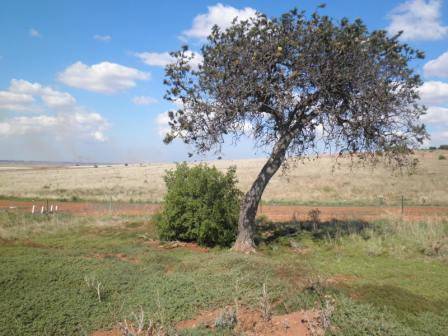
297 84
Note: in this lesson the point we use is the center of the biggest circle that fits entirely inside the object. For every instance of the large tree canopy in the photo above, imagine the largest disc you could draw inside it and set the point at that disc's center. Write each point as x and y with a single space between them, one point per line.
293 83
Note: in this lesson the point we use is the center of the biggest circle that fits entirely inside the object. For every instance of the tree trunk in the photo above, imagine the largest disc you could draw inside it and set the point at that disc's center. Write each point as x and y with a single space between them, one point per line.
249 207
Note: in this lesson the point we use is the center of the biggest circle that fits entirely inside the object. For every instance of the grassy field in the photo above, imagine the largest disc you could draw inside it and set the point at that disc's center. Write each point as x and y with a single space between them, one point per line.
313 182
381 278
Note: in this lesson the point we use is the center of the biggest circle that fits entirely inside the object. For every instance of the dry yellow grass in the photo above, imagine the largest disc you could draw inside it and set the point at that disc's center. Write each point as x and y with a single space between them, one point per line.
311 182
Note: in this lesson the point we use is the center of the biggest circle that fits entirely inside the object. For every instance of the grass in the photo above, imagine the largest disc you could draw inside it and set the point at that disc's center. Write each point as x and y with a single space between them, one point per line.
381 275
311 183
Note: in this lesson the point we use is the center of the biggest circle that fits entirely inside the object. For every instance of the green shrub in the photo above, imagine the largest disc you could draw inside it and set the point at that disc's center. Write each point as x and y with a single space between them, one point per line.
442 157
201 205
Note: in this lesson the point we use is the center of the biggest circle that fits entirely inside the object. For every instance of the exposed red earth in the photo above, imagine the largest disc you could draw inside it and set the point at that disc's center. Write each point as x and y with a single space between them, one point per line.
251 323
280 213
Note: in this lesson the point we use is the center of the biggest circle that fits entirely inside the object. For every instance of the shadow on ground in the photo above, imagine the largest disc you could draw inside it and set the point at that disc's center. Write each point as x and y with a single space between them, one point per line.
268 232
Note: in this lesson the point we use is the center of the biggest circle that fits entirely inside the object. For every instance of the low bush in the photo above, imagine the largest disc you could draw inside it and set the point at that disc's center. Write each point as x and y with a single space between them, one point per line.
442 157
201 205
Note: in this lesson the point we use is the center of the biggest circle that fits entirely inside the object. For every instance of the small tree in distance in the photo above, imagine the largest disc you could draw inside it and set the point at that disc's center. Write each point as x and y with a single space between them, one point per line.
297 84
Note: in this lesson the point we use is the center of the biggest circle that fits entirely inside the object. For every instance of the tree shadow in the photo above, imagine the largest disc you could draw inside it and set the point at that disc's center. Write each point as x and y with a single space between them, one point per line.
268 232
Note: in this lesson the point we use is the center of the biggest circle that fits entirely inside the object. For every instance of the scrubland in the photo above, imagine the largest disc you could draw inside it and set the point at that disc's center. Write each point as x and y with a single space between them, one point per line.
317 182
96 273
77 275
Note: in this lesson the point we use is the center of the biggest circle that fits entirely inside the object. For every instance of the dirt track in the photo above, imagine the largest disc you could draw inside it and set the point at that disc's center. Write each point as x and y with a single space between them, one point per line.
279 213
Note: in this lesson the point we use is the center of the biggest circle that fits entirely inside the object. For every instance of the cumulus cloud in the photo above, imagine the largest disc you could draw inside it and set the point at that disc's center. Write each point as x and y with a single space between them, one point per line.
103 77
52 98
34 33
102 38
144 100
419 20
218 14
62 125
436 115
21 96
164 58
434 93
155 59
437 67
439 137
162 120
14 101
63 118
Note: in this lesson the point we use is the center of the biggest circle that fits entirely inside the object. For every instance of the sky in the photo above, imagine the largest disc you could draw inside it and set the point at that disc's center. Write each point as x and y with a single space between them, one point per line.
83 80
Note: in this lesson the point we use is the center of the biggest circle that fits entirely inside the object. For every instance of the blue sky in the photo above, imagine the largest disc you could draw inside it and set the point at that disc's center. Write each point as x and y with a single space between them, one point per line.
82 80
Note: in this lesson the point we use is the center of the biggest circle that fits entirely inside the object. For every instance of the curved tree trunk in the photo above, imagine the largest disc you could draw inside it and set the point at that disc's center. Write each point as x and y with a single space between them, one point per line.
246 222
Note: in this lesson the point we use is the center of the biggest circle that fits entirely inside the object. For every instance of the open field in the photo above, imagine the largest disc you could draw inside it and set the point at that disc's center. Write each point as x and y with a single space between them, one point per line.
366 278
312 183
362 268
279 213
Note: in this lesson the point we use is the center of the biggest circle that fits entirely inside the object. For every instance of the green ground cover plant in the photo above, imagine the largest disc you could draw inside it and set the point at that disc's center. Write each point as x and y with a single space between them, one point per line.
383 281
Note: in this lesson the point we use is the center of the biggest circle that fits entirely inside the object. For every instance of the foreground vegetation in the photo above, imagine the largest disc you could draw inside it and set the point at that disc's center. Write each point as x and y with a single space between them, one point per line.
386 278
312 183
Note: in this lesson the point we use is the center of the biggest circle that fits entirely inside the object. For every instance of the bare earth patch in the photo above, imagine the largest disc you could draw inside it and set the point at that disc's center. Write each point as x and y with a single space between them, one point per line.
277 213
113 332
251 323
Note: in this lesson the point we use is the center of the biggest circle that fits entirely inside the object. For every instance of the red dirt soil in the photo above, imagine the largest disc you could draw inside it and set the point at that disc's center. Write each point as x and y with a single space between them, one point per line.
251 323
279 213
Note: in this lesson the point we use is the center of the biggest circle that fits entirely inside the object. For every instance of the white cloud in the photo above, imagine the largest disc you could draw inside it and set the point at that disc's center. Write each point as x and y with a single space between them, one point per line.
218 14
144 100
155 59
63 118
102 38
51 97
436 115
434 93
439 137
103 77
437 67
35 33
437 120
21 96
60 126
14 101
164 58
162 120
419 20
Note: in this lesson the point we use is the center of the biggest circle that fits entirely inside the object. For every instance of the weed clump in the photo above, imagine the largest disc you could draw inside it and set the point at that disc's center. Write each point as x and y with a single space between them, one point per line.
227 319
201 205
